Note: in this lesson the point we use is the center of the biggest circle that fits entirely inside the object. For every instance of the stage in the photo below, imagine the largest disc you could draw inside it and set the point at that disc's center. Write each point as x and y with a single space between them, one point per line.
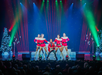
31 56
23 21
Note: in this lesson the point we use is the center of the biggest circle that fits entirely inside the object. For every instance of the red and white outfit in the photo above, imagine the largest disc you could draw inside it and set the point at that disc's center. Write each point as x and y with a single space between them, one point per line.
64 41
51 46
58 42
37 40
42 40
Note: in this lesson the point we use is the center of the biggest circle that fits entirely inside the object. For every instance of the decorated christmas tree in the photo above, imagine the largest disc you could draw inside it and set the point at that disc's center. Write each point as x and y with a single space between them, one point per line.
5 42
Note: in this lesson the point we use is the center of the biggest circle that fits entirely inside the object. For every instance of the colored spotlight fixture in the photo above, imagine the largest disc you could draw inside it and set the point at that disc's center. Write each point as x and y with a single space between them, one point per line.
47 0
55 0
40 57
43 0
94 57
9 30
67 57
60 0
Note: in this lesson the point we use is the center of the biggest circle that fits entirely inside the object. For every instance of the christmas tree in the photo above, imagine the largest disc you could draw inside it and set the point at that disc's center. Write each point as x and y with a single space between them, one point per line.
5 42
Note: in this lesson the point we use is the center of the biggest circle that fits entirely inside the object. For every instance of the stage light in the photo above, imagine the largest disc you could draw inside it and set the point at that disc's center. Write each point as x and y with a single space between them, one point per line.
91 22
71 6
67 57
97 29
47 0
9 30
55 0
43 0
13 57
98 45
40 57
20 3
60 0
94 57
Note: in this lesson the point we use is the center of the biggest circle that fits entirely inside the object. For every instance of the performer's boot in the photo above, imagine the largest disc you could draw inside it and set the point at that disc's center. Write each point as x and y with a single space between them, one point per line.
39 55
35 54
62 55
44 56
68 54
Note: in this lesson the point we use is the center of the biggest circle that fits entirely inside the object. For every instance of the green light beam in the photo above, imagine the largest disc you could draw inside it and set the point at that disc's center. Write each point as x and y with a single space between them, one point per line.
90 20
42 6
57 9
92 24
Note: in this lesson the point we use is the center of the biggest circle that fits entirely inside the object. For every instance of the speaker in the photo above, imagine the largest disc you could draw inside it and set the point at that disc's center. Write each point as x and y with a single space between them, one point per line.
80 56
26 56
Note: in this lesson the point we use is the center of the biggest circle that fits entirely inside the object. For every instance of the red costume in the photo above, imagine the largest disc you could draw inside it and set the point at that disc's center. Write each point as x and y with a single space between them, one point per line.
37 40
42 40
51 46
64 41
58 42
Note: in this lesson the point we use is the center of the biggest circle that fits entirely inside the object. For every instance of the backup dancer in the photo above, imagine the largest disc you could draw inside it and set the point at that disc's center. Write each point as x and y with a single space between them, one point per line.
37 40
65 39
42 40
58 41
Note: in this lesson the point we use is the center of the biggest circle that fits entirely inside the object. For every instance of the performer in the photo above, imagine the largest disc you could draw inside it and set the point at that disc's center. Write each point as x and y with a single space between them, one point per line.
51 48
58 41
65 39
37 40
42 40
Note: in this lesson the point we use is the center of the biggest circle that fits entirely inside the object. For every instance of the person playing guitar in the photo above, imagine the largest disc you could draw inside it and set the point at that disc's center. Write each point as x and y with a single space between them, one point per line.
51 48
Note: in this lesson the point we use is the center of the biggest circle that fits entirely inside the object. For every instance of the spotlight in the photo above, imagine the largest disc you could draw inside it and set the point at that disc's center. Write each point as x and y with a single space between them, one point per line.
43 0
9 30
40 57
94 57
85 3
13 57
72 3
67 57
47 0
20 3
60 0
55 0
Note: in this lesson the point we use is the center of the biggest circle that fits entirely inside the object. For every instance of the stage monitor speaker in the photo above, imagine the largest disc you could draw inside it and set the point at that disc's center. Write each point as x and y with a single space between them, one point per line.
26 56
80 56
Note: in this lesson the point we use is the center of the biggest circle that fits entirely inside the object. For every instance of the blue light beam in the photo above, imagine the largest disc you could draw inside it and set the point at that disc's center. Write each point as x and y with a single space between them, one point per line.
71 6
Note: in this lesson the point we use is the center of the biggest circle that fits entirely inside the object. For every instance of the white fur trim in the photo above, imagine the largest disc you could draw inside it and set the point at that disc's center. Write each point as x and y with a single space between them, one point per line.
58 39
64 37
37 38
41 38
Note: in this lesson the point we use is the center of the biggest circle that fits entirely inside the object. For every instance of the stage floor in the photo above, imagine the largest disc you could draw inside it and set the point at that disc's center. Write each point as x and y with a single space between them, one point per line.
73 55
18 56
